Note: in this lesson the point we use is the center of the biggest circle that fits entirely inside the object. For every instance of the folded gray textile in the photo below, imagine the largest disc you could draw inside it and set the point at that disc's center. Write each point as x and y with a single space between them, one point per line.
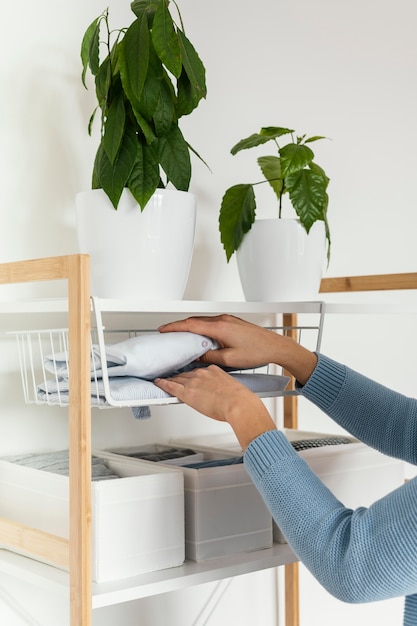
237 460
306 444
123 388
147 356
135 390
58 463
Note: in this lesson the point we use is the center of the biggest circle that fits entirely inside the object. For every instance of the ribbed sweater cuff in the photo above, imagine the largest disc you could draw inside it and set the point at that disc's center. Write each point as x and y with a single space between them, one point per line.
267 450
325 383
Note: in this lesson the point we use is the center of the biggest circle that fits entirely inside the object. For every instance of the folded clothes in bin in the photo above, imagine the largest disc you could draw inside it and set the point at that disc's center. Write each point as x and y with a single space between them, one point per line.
215 463
318 442
58 463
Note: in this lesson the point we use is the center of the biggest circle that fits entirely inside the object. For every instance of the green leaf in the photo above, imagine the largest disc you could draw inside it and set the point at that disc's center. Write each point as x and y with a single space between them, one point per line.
165 40
320 172
315 138
151 91
164 114
174 157
112 178
145 127
103 83
274 131
294 157
198 155
144 177
91 121
185 97
271 169
250 142
134 59
192 82
114 127
90 49
307 191
237 214
139 7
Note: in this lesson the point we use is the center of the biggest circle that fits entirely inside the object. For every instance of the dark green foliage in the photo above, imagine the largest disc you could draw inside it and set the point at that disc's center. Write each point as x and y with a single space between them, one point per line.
291 171
149 77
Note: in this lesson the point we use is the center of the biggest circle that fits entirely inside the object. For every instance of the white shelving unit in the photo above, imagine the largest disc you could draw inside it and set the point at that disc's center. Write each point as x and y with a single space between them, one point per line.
75 554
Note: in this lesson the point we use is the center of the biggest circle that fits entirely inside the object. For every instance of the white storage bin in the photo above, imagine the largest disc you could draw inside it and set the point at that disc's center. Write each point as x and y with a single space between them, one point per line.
224 513
356 474
130 533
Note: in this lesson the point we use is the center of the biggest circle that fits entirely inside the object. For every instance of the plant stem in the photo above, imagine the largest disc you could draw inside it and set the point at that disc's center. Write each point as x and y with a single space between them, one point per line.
179 15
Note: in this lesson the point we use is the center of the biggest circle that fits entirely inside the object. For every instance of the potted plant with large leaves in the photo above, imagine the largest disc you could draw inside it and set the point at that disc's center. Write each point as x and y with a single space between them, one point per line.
279 258
146 77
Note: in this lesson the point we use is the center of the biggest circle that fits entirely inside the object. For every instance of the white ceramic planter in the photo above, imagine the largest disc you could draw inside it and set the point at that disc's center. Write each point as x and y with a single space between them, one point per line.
279 262
137 254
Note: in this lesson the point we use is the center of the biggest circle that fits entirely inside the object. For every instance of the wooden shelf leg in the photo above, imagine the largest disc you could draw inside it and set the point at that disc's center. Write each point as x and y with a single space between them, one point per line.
80 442
292 613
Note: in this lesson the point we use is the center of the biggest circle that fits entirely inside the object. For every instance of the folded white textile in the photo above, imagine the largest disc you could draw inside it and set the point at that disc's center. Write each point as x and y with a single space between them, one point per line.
146 356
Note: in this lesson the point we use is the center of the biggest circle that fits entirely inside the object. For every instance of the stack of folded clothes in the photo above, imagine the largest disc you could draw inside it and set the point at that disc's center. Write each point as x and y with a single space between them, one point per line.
318 442
185 457
131 366
58 463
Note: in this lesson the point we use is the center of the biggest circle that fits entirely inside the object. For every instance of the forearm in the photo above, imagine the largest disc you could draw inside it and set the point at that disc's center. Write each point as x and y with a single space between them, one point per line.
249 420
218 395
293 357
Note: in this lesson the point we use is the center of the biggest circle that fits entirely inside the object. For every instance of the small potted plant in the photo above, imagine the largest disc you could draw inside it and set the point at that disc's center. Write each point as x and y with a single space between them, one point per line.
147 76
292 172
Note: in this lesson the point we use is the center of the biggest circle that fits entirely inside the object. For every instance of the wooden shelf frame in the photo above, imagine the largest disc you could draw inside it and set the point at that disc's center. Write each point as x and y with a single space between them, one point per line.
372 282
75 553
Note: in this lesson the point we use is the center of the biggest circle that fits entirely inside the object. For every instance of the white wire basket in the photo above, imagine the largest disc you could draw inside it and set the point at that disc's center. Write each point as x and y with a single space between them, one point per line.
45 367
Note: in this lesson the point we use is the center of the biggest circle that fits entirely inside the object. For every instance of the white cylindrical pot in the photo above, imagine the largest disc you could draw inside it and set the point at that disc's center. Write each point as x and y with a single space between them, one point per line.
137 254
279 262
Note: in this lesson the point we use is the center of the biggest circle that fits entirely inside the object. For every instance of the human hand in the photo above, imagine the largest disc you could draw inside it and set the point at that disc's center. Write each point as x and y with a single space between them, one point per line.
213 392
245 345
242 344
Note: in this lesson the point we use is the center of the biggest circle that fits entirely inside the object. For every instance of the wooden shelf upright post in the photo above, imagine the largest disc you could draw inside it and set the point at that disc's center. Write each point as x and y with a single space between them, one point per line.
77 552
292 615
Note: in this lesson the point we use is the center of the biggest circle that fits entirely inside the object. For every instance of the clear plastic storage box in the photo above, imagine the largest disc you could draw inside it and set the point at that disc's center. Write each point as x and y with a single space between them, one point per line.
224 513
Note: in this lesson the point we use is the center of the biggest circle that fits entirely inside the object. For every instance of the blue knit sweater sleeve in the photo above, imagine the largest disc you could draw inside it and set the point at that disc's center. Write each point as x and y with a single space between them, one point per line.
358 555
380 417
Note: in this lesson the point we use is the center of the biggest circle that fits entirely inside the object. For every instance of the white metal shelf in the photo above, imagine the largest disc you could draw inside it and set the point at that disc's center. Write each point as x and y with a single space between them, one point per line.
153 583
201 307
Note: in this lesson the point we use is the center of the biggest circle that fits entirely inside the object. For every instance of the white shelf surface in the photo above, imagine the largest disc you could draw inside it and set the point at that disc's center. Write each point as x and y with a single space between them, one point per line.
153 583
200 307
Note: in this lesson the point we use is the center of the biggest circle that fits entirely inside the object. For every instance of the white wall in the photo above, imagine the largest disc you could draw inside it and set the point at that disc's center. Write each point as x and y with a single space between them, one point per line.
344 70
